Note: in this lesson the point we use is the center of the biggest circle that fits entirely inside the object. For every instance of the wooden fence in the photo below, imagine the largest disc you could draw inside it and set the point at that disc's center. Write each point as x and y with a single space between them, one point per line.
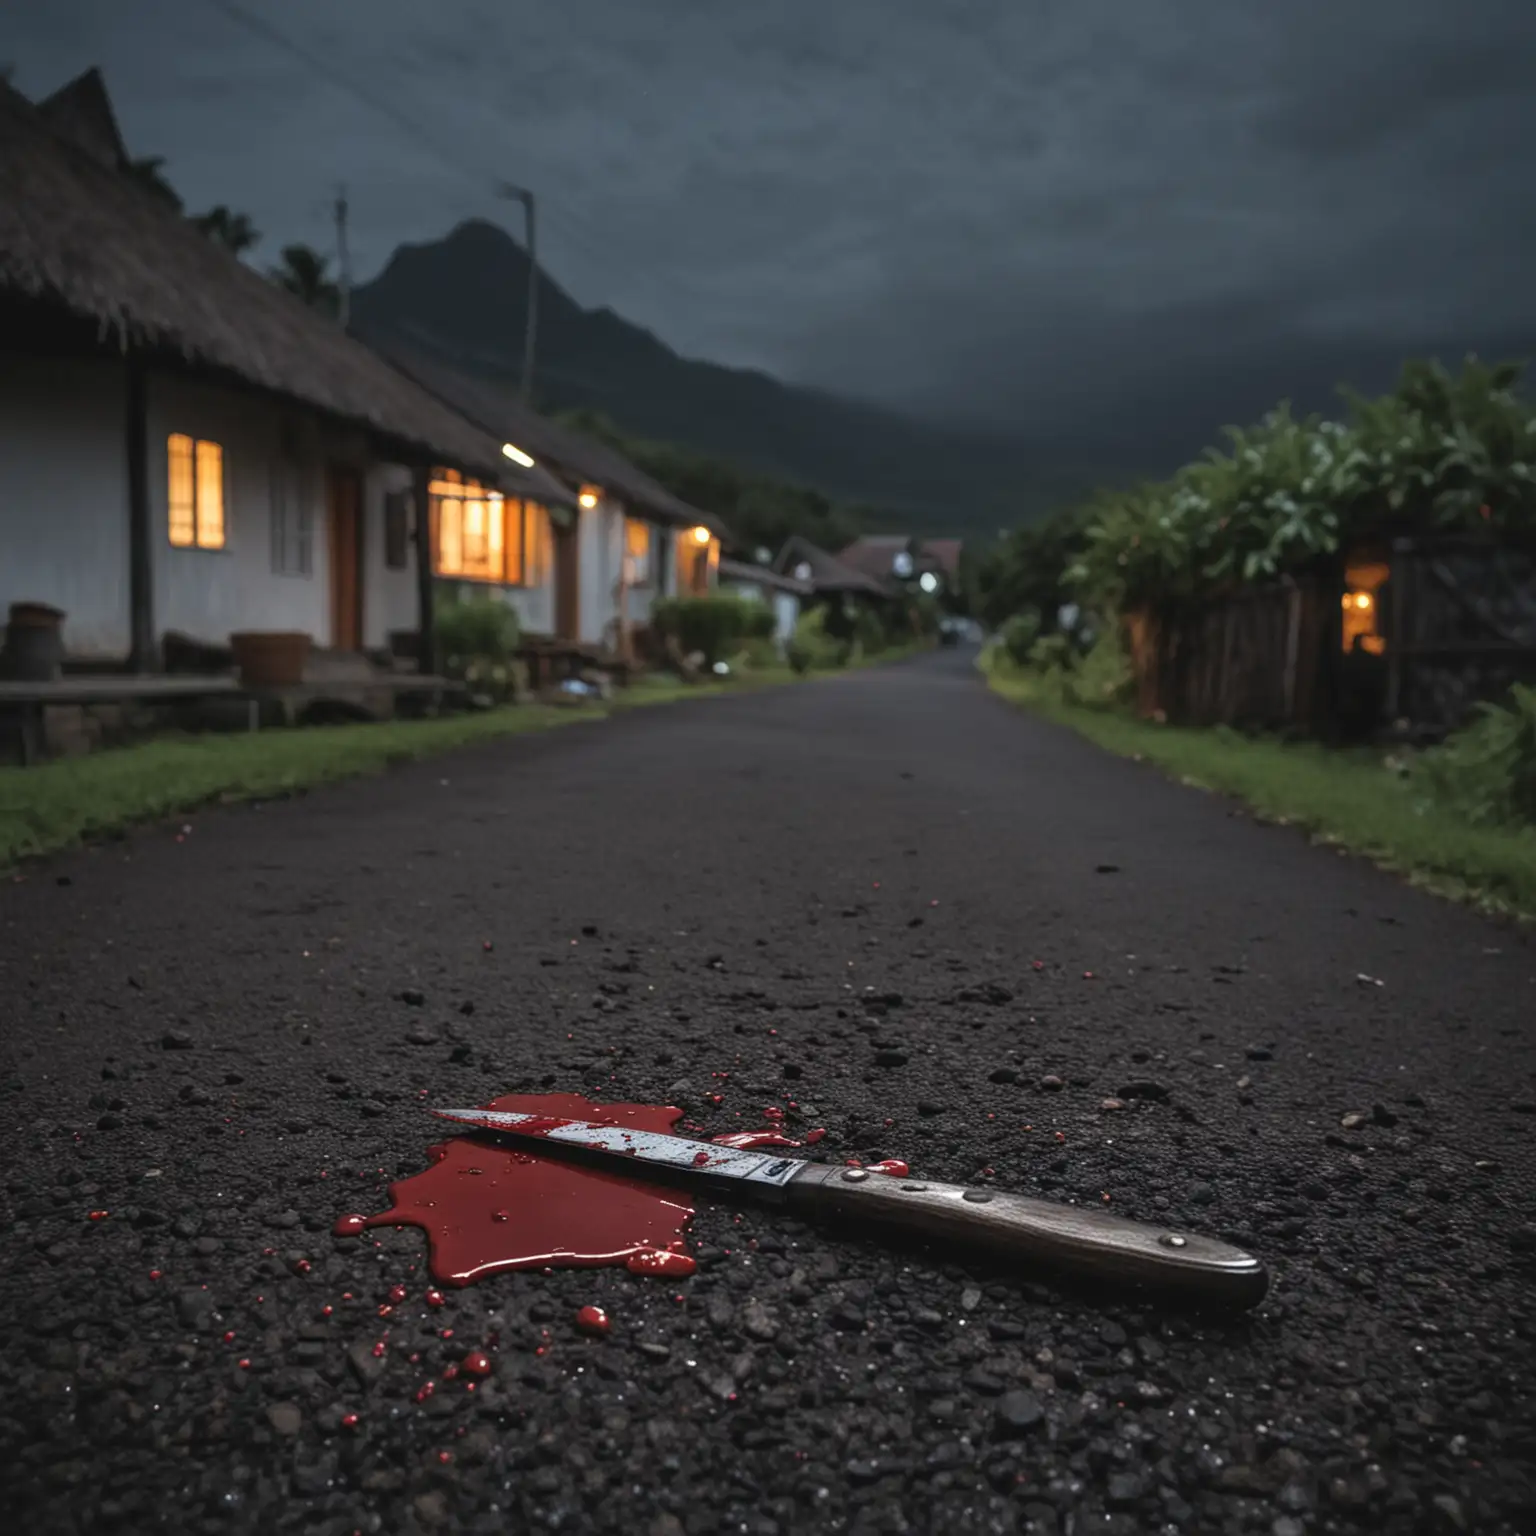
1459 628
1255 659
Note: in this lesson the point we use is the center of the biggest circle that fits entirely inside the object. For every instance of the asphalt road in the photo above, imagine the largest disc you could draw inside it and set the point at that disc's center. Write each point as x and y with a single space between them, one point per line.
205 1038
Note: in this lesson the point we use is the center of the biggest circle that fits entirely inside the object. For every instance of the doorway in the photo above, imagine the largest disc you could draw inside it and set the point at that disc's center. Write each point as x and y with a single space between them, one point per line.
568 580
344 524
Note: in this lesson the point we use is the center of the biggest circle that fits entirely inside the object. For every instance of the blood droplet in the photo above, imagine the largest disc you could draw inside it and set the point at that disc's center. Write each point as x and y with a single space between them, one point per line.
397 1294
819 1134
477 1364
350 1226
435 1298
658 1261
592 1320
893 1166
98 1215
349 1421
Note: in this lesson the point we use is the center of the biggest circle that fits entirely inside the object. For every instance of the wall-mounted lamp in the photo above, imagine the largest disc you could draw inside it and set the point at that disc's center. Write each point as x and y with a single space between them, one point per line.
701 535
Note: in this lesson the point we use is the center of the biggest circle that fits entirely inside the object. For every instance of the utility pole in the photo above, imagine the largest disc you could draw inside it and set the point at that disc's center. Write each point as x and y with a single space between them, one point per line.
343 259
531 319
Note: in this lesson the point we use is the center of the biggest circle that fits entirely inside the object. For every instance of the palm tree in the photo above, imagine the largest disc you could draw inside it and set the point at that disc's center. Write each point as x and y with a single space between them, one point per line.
149 172
303 271
232 230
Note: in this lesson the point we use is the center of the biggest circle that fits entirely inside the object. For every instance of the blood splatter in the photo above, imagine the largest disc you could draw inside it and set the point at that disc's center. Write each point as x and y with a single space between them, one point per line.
819 1134
488 1208
893 1166
592 1320
745 1141
350 1226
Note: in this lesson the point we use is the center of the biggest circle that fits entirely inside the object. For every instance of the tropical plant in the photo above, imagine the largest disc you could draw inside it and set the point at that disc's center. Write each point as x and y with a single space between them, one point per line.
232 230
1438 452
714 626
477 637
149 172
305 273
813 648
1487 771
1017 635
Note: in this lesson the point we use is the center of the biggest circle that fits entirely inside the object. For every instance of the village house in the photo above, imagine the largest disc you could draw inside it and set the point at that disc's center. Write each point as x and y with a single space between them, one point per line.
762 584
934 564
830 578
187 451
631 541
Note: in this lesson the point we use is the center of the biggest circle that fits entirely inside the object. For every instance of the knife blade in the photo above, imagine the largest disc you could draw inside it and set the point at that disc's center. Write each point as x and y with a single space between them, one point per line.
1038 1234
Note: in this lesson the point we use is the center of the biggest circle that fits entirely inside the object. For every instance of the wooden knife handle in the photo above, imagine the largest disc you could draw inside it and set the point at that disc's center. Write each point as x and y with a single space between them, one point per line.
1038 1234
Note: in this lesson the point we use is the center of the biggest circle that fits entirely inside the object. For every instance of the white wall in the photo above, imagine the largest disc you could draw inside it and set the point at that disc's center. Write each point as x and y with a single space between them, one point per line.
212 593
389 596
602 549
64 497
534 606
786 612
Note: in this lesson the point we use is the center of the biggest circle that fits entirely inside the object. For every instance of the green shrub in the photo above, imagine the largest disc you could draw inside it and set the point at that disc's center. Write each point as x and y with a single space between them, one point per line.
869 634
478 628
1103 677
1487 772
1019 634
757 654
812 648
1053 653
714 626
476 637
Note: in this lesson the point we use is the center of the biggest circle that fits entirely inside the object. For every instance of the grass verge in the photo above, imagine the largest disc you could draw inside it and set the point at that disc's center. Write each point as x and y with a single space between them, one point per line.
58 805
1347 799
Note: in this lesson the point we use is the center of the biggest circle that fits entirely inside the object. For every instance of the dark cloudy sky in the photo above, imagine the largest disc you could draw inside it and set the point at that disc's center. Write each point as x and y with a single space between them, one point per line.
1111 224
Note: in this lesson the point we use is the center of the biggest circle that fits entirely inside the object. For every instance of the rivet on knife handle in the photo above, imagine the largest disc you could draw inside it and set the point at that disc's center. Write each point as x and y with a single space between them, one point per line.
1039 1234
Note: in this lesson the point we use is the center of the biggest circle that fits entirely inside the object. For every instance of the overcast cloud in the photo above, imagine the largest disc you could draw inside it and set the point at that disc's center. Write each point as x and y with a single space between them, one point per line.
1107 225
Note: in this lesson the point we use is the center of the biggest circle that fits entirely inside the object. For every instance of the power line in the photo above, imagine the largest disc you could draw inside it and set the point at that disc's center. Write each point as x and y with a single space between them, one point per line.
482 181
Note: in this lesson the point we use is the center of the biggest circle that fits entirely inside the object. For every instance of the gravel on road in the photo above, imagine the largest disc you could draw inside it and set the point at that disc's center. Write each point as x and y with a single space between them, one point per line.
884 903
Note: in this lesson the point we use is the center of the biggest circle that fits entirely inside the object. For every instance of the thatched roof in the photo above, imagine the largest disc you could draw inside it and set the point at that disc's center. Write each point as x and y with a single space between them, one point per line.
874 554
498 409
764 576
82 112
89 241
828 573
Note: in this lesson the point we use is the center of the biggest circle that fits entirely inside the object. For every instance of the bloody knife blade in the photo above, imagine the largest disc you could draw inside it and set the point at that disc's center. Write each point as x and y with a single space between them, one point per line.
1066 1239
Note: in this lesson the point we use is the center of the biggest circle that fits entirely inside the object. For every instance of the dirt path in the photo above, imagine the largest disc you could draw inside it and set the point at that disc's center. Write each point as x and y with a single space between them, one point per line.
206 1038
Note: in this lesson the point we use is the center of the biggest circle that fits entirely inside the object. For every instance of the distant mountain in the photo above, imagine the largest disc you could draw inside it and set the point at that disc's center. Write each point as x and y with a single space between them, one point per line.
463 298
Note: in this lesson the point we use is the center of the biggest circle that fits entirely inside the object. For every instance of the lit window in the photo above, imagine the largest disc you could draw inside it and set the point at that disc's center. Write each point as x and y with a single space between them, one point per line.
696 560
194 492
637 550
1361 608
470 530
540 538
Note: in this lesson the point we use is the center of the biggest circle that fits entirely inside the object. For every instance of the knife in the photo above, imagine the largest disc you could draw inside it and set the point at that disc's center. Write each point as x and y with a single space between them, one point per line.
1069 1240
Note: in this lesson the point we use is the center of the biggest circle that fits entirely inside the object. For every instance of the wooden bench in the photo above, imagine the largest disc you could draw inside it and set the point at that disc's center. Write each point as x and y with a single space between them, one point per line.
28 700
549 659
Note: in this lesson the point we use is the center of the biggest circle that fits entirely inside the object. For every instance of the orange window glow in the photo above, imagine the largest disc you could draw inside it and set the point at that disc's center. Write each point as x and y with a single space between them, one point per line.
540 542
194 492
